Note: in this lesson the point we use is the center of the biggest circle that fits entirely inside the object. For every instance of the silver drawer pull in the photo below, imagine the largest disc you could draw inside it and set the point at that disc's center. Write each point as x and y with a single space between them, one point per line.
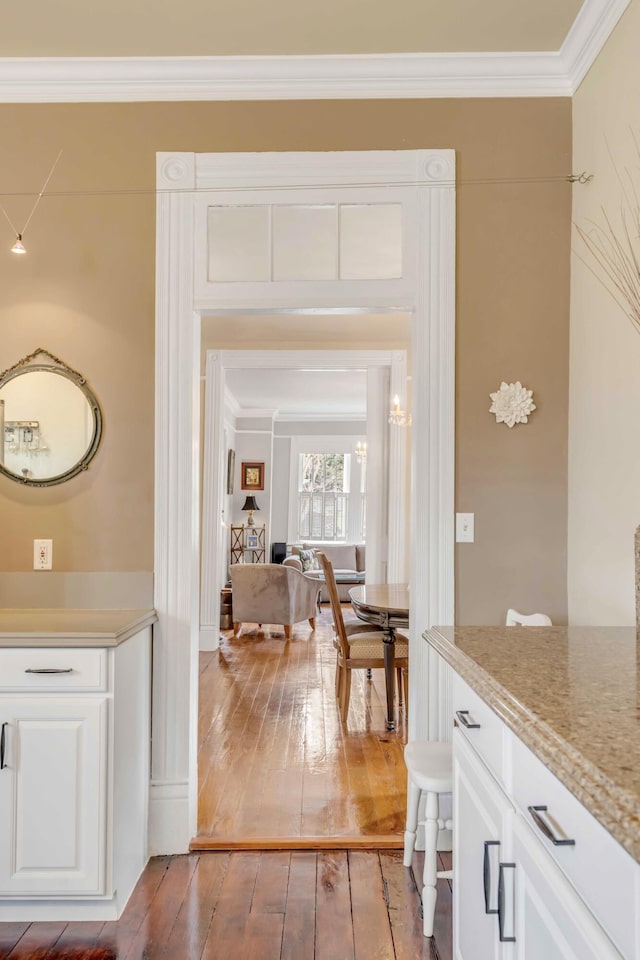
486 874
506 891
467 720
547 830
48 670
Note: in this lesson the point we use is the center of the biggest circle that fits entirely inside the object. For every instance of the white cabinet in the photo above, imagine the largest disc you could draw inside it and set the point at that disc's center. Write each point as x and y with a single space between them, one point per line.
481 816
53 754
523 890
74 778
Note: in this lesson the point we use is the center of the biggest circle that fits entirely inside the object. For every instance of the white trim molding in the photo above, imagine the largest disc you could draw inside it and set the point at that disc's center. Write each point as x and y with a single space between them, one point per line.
423 181
553 73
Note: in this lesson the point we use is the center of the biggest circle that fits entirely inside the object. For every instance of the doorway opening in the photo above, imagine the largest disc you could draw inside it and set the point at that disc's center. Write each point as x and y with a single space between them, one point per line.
275 763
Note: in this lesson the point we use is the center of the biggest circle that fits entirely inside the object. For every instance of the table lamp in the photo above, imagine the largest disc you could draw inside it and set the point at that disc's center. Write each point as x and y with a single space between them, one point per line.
250 505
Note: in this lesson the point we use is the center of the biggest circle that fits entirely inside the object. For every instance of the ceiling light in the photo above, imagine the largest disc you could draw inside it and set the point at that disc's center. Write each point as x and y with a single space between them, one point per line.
18 246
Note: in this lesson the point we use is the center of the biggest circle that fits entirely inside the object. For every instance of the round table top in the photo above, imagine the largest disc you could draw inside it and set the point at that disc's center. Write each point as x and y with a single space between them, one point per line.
385 597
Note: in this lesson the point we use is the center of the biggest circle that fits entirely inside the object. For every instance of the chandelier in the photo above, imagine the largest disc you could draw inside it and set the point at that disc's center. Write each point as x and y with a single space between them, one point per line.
361 451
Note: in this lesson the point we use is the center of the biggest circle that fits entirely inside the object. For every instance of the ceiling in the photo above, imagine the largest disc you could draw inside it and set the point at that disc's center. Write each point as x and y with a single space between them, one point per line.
305 393
159 28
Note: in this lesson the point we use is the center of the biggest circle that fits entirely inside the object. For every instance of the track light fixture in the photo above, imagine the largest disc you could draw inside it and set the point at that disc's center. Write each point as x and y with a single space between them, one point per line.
18 246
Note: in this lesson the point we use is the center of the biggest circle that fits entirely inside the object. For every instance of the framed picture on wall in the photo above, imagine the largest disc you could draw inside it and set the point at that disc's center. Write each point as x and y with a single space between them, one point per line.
252 476
231 467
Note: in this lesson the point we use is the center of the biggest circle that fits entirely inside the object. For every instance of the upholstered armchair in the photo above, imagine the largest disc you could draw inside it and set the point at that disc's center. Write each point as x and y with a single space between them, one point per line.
272 593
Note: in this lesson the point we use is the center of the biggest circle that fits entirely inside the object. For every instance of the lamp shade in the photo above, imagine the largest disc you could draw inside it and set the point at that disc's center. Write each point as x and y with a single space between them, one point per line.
250 503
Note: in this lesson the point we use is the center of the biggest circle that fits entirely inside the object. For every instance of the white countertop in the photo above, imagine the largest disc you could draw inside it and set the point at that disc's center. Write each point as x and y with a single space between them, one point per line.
71 628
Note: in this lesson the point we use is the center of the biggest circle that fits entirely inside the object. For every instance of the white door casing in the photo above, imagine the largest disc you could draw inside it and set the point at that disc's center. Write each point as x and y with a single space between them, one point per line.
422 182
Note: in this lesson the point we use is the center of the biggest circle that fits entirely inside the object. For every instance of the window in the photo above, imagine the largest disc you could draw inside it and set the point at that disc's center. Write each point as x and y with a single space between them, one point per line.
323 496
326 489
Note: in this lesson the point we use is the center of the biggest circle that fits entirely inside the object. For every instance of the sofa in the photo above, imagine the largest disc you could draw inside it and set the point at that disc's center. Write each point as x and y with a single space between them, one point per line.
347 559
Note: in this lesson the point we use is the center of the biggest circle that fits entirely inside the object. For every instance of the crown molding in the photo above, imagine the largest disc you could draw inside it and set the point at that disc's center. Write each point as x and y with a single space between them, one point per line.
320 418
323 77
590 31
404 76
256 413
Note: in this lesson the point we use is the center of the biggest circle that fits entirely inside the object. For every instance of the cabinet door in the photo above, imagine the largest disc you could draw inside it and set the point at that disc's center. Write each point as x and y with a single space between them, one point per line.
481 819
53 796
551 921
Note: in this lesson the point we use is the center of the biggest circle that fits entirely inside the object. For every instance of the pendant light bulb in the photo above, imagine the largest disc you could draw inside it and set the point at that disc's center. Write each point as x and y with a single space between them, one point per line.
18 246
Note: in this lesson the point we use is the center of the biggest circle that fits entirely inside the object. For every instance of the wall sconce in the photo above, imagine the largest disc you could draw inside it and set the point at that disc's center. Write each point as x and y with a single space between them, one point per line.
398 417
361 451
250 505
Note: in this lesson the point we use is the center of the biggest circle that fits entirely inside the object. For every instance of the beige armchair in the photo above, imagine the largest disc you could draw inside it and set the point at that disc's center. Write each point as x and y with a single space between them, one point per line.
272 593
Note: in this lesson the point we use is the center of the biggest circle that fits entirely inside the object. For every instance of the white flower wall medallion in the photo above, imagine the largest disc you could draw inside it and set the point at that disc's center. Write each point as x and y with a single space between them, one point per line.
512 403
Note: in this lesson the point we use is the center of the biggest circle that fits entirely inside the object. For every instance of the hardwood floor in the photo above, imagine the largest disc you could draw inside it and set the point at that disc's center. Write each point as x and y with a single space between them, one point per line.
288 905
275 763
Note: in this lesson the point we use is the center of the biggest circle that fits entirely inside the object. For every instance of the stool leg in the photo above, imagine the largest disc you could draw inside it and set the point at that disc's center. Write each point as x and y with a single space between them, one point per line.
430 875
413 800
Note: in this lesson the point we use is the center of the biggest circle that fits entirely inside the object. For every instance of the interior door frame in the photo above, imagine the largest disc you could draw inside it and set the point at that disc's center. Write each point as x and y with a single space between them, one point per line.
424 182
214 559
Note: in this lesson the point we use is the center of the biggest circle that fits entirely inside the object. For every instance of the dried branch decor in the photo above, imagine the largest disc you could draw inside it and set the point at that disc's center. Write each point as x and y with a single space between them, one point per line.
616 249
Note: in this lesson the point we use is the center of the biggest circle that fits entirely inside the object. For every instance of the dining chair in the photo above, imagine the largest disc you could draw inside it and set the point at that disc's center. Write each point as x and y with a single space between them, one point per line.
358 649
515 619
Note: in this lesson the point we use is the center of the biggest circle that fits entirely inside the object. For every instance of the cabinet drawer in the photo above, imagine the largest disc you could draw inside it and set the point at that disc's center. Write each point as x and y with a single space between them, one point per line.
551 922
484 730
55 668
599 869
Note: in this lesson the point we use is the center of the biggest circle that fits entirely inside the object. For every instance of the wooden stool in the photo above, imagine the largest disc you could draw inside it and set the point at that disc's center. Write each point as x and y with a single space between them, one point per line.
429 770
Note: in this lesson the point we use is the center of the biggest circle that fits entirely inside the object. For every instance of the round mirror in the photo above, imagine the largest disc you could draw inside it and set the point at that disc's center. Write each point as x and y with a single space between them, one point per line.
50 419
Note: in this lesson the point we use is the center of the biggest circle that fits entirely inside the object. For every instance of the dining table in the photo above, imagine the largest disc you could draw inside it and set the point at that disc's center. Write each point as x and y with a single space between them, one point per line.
387 606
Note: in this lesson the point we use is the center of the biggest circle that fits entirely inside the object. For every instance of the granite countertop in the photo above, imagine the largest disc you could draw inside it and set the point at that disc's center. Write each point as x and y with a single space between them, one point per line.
71 628
572 695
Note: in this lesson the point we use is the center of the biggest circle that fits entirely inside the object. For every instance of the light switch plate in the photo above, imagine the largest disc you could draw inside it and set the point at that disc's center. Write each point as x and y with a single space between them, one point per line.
42 554
465 527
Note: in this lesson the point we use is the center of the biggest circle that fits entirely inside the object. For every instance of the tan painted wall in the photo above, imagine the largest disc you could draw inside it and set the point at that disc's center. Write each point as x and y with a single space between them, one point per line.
86 289
604 462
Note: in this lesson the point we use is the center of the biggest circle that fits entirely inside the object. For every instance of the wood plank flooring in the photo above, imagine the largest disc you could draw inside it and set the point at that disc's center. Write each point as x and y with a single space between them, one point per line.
287 905
275 763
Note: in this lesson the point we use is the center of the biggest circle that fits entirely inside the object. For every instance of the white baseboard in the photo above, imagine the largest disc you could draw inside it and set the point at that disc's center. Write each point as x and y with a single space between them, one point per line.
31 911
169 831
209 638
